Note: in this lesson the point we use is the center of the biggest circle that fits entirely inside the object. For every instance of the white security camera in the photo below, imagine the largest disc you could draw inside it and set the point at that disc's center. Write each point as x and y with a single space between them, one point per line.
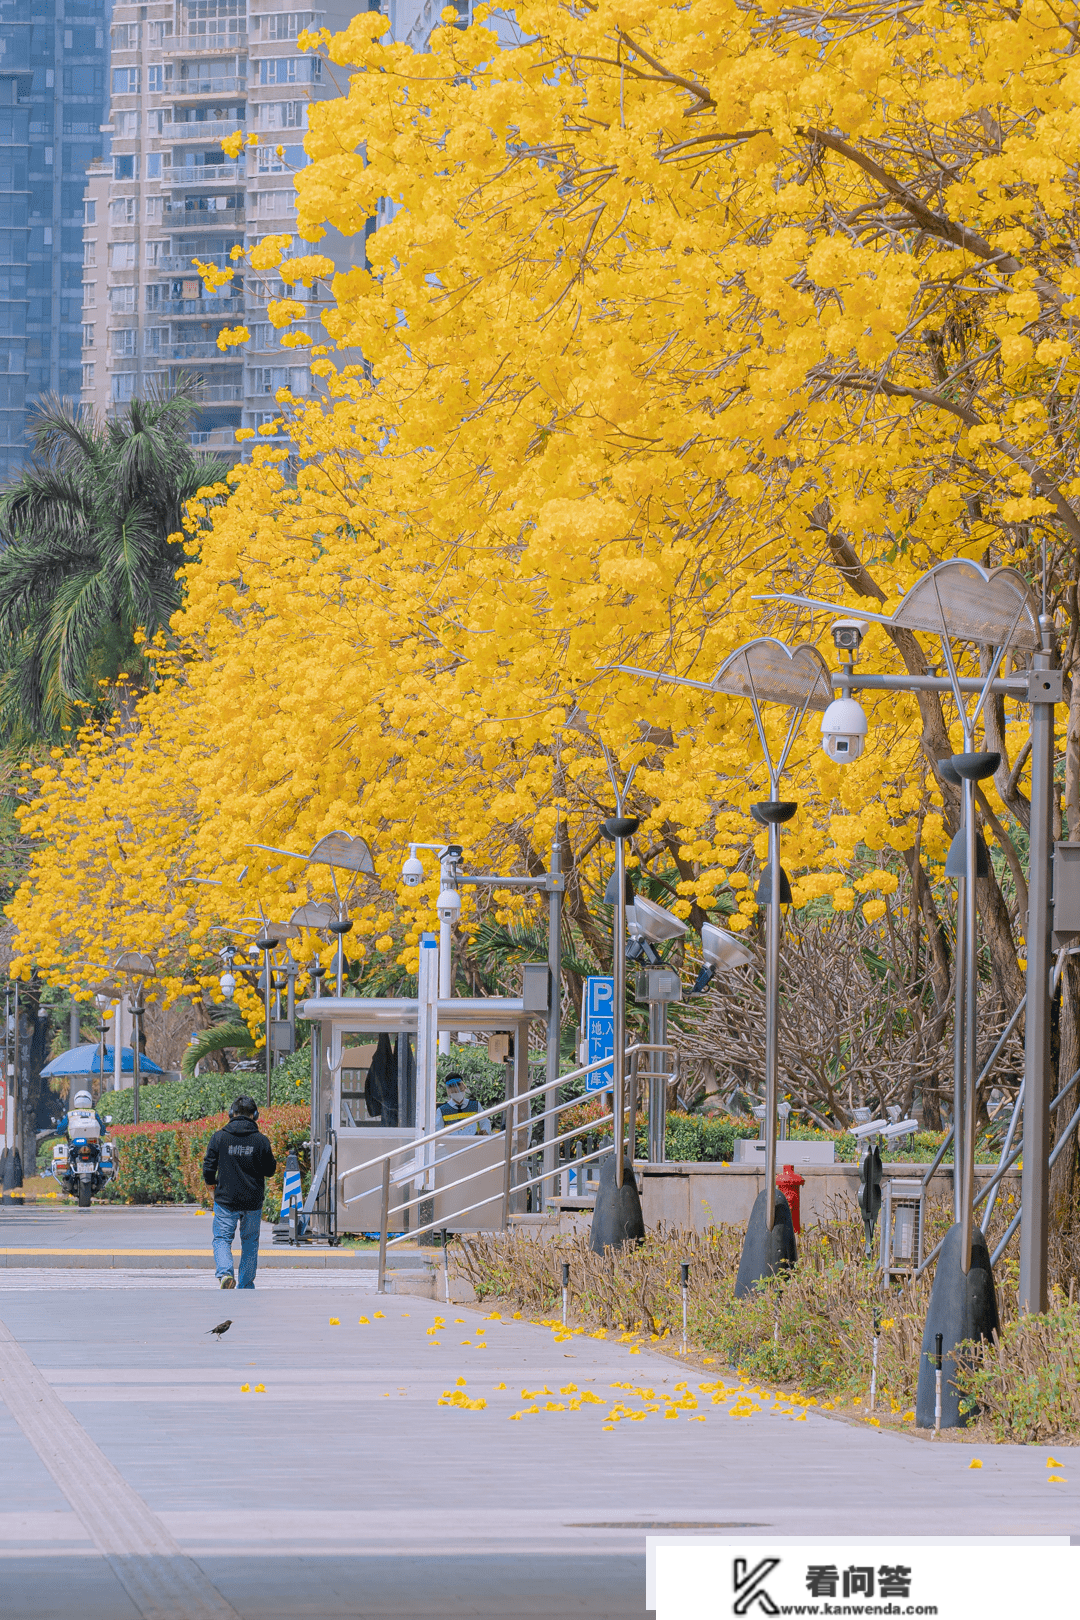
228 986
412 873
448 906
843 730
847 635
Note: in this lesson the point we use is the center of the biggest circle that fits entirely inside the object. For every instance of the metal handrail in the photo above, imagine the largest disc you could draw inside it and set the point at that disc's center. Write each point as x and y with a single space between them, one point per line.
497 1108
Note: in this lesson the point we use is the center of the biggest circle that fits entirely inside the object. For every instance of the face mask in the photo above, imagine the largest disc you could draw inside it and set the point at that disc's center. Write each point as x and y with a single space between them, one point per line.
456 1098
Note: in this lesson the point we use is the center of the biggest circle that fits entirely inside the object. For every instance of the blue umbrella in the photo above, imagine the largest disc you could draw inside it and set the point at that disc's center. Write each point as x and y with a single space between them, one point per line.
84 1060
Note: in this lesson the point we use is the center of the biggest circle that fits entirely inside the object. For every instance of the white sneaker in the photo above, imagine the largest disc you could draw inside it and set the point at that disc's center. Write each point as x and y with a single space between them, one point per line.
228 1282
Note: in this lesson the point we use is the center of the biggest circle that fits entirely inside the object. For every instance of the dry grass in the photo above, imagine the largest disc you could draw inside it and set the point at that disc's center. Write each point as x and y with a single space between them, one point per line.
811 1328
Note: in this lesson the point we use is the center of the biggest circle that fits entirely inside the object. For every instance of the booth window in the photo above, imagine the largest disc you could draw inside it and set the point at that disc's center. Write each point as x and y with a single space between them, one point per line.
378 1080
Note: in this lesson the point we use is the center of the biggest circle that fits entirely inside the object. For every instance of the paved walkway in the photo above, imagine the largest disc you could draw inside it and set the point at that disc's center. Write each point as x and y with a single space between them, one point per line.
142 1479
142 1237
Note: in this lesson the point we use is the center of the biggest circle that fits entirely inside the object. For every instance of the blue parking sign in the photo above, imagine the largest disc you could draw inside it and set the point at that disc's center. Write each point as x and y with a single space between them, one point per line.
600 1029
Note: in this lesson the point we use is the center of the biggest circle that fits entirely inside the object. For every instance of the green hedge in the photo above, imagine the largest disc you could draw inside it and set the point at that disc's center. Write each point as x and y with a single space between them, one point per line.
208 1094
162 1164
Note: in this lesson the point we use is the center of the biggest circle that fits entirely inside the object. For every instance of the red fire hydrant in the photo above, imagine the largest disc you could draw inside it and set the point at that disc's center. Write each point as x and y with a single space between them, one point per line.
789 1184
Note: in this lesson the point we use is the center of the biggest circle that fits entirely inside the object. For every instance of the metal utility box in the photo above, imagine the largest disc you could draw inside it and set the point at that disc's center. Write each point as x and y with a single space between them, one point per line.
282 1035
1066 894
903 1214
535 987
658 984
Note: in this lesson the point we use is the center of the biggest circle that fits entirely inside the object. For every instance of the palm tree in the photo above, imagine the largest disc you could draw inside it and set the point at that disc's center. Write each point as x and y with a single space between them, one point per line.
88 559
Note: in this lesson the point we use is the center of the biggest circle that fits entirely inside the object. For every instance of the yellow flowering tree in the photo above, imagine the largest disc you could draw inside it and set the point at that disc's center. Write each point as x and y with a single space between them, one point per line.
677 307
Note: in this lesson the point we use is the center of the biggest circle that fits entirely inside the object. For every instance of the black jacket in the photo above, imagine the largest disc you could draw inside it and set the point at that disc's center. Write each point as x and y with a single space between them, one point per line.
238 1160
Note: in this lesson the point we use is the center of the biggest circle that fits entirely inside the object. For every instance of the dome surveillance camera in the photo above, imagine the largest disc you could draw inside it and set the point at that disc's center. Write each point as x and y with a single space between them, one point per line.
228 986
448 906
412 873
843 730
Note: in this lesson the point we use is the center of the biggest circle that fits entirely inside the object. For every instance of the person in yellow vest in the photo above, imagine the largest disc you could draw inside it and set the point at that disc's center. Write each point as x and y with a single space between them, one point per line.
460 1109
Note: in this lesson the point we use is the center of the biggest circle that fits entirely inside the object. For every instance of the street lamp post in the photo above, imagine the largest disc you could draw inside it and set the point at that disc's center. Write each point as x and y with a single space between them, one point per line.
136 969
767 671
267 943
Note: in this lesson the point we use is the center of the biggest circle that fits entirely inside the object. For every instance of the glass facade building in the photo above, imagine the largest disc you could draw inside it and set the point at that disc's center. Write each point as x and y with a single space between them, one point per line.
53 100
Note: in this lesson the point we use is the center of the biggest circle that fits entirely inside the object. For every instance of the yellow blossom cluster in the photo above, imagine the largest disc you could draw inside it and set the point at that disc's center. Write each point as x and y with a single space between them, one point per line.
679 307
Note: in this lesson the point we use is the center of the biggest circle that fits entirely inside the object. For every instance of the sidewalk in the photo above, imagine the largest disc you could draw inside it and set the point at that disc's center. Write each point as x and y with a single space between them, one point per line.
344 1489
146 1237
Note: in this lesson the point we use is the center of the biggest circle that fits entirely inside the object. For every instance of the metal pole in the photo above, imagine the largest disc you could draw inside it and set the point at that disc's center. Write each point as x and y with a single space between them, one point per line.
266 987
684 1271
1034 1183
959 969
551 1124
657 1088
618 970
136 1072
772 1019
384 1221
971 990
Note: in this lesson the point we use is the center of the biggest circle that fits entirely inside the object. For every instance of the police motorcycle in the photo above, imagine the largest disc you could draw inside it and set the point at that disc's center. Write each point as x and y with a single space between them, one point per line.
85 1162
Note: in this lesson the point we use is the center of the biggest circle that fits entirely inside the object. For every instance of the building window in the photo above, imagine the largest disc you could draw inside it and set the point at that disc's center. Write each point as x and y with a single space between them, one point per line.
122 300
276 204
124 167
123 387
156 296
287 24
89 254
290 69
155 252
153 165
159 79
122 255
157 340
154 207
125 37
90 211
122 343
159 32
122 211
89 295
88 374
126 126
282 115
125 81
87 336
269 162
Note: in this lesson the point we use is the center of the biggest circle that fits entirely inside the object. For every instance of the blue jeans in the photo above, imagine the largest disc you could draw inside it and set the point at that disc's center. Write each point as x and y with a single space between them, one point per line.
225 1223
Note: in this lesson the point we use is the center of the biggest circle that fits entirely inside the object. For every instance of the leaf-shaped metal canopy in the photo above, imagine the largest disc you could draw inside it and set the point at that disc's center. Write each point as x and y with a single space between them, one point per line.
338 849
966 602
765 671
315 914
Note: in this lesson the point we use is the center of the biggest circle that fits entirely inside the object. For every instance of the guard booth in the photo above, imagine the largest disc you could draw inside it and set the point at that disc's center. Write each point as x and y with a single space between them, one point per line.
373 1089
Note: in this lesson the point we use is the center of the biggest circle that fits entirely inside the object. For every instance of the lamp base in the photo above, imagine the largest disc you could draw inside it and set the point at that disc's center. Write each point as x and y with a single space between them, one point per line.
617 1218
960 1308
766 1252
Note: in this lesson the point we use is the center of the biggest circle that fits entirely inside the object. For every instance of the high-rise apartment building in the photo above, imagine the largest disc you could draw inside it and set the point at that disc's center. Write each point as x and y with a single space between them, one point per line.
184 74
53 56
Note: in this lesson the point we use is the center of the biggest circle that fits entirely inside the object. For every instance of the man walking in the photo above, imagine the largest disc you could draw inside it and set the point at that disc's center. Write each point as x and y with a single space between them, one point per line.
238 1160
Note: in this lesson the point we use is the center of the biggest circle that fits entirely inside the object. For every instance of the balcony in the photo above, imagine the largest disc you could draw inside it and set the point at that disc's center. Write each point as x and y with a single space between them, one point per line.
204 44
183 266
202 218
205 307
202 174
211 129
193 86
221 394
193 351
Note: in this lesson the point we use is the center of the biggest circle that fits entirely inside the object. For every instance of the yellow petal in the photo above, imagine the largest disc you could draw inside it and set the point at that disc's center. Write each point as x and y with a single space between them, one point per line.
335 1322
974 1463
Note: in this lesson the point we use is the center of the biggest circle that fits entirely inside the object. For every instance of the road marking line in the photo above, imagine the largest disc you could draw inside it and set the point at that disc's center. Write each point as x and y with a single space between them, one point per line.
162 1582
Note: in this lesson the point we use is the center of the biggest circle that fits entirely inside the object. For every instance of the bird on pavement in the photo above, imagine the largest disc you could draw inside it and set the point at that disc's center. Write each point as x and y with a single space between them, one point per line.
222 1327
